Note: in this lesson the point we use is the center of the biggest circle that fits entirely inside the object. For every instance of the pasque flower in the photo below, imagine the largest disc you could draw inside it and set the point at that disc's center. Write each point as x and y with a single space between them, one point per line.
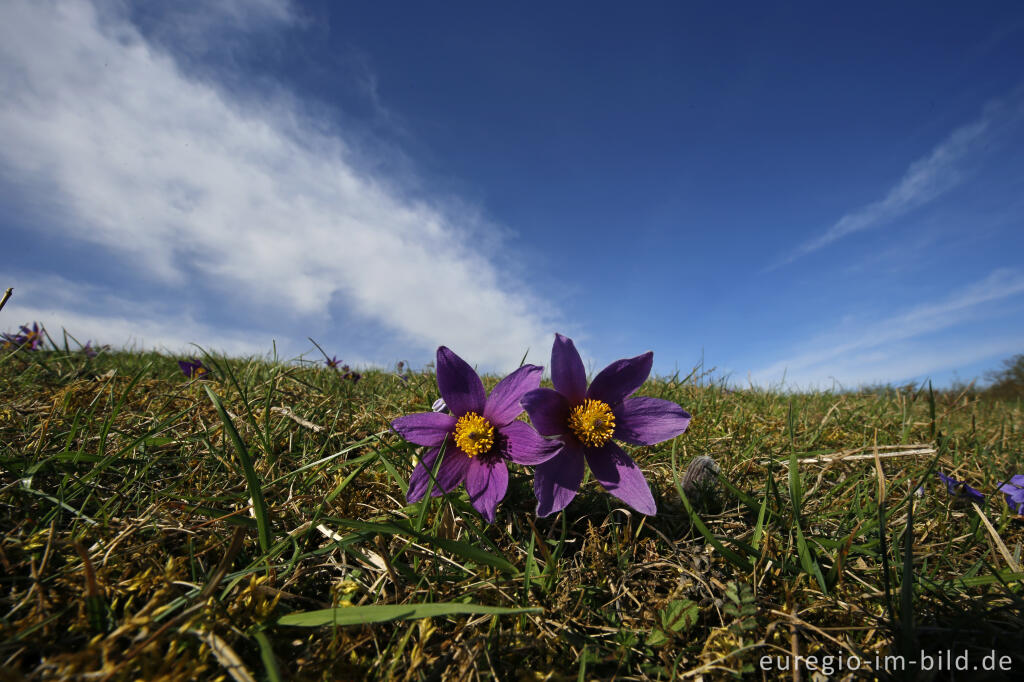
193 369
479 435
587 421
28 338
961 490
1014 491
345 371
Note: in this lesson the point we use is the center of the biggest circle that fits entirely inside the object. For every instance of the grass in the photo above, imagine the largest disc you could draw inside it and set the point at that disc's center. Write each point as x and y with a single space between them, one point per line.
253 526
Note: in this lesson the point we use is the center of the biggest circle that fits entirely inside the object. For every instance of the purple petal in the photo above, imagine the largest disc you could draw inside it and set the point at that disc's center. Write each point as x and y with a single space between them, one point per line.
567 371
973 494
1014 492
452 471
460 386
646 421
960 489
424 428
503 404
951 483
1012 487
620 379
557 480
548 410
526 446
620 476
420 478
486 483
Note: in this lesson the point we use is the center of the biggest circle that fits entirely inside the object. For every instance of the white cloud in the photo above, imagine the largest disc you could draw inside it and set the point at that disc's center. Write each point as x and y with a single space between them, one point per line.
198 26
272 211
885 349
172 334
902 363
926 179
96 313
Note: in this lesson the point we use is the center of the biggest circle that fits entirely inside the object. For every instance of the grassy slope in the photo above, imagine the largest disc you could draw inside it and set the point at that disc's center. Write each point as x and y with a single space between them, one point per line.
132 543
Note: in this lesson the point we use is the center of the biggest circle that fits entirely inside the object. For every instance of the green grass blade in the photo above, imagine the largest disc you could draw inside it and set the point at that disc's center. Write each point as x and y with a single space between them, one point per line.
268 658
907 584
381 613
759 527
252 481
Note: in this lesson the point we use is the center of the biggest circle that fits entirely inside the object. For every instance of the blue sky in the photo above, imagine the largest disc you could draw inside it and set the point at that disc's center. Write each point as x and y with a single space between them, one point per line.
806 193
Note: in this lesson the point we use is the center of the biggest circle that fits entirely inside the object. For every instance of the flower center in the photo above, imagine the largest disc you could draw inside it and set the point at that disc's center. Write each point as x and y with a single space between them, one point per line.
593 422
473 434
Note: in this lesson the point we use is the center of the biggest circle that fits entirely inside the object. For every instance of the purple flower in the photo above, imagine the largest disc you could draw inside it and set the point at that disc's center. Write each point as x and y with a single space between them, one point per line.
193 369
961 490
345 371
587 419
29 338
1014 491
401 371
92 351
479 435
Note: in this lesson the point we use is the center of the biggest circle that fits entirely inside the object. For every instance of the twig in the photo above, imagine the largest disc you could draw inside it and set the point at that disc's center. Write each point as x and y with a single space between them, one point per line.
7 295
850 457
285 412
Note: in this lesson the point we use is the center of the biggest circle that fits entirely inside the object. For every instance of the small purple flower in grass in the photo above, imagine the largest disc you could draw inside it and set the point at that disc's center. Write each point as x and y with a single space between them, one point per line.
479 435
1014 491
92 351
345 371
28 338
961 490
193 369
585 420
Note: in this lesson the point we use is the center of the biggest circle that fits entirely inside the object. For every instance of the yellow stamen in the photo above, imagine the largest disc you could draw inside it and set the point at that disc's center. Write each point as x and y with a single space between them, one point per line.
593 422
473 434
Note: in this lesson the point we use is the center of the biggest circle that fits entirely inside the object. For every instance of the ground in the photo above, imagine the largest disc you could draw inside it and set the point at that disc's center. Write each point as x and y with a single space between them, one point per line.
252 524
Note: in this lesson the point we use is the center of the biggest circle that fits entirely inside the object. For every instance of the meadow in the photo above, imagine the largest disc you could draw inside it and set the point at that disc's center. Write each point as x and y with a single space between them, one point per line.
251 524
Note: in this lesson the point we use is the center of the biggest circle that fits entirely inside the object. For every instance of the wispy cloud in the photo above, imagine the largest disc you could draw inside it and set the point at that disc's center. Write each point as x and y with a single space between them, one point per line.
176 334
884 349
263 206
93 312
926 179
